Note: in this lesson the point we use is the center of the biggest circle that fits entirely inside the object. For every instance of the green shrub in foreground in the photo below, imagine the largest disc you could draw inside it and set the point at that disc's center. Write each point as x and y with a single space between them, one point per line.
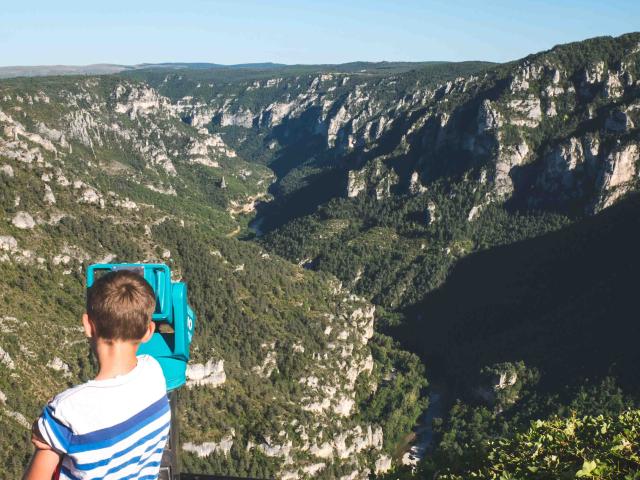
600 447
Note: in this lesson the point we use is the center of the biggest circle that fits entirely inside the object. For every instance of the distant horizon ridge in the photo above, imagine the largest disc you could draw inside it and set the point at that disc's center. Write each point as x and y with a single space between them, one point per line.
13 71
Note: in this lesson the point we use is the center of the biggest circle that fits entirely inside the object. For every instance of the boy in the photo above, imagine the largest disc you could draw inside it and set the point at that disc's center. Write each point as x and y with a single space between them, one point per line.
115 426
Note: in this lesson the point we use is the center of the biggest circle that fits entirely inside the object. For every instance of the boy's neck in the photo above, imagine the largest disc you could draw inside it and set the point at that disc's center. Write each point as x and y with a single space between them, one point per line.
115 358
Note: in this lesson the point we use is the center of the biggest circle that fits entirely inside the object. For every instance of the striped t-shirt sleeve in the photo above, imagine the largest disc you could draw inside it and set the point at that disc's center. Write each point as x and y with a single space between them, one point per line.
113 429
54 433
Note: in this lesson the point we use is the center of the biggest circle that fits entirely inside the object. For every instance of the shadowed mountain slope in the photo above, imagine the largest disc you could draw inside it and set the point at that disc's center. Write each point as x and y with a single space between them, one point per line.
565 302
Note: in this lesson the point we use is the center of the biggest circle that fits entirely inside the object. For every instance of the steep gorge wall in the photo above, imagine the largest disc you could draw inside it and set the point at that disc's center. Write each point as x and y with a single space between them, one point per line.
549 128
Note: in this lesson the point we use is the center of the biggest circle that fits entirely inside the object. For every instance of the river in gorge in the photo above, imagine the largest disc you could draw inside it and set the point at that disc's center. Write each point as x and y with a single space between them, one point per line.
421 440
255 225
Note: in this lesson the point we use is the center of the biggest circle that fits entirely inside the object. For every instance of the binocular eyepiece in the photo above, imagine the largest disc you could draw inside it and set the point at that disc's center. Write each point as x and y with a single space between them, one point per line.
174 318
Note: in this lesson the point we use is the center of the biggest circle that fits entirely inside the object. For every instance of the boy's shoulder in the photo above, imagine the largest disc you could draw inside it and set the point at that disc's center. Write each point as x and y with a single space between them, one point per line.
115 397
147 371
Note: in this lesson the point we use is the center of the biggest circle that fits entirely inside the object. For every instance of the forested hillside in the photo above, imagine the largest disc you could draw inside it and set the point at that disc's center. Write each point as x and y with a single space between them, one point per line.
288 377
540 329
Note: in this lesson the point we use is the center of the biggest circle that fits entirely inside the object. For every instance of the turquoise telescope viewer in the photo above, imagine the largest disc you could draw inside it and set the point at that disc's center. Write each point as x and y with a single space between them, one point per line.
173 317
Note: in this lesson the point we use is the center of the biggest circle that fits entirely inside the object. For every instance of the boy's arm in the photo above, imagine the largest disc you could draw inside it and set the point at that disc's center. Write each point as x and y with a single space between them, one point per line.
43 465
45 460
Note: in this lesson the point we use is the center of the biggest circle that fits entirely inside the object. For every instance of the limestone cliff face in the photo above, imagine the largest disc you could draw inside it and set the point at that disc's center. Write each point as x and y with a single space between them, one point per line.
374 179
532 114
553 118
518 125
132 118
339 108
619 174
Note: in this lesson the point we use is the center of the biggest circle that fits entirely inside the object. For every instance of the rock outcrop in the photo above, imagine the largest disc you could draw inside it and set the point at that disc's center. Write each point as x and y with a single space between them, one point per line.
208 448
8 243
620 170
509 156
23 221
7 170
211 373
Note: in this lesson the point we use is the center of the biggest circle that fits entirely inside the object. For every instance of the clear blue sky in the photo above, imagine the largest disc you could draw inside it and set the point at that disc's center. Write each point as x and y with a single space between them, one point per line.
77 32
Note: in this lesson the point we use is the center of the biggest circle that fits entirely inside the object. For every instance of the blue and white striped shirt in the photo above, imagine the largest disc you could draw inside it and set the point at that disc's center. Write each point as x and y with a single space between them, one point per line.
111 429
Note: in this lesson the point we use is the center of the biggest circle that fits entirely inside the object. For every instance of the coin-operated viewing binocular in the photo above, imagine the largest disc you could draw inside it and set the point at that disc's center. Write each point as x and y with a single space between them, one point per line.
174 318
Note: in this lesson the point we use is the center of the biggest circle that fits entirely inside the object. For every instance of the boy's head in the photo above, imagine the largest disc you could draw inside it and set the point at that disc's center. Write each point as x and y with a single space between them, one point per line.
120 305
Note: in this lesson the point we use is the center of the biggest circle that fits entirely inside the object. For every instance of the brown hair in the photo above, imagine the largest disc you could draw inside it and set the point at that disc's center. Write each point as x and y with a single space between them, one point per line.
120 305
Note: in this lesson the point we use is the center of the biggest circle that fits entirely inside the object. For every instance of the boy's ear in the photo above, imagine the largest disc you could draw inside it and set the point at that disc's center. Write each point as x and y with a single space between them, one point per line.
150 329
87 324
